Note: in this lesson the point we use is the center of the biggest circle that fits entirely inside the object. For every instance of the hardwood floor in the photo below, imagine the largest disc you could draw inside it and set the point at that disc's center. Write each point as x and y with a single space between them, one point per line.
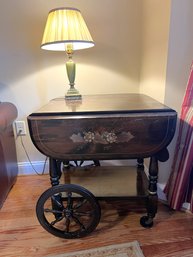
21 235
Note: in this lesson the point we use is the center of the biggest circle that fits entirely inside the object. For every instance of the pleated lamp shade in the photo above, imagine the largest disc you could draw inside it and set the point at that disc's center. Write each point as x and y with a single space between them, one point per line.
66 26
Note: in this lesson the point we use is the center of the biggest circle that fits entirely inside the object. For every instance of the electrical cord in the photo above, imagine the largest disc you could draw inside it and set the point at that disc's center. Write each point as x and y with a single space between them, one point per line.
22 143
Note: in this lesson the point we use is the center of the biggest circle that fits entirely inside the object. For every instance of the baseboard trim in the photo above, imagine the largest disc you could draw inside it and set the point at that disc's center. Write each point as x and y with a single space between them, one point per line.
27 168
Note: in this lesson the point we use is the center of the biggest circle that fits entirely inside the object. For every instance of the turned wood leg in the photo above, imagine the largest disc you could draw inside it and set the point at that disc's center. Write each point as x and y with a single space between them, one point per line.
139 180
147 221
55 172
140 162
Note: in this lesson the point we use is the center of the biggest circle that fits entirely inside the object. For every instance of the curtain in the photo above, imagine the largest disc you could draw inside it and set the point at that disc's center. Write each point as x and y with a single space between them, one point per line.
179 188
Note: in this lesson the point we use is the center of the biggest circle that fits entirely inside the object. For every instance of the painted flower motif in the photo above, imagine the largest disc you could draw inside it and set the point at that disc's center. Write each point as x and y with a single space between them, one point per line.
89 136
110 137
101 138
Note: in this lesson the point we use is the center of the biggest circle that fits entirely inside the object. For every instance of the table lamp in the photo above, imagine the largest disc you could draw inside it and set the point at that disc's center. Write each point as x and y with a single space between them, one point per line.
66 30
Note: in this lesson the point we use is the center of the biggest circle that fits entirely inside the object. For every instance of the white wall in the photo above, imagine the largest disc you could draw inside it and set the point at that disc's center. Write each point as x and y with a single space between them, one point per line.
180 54
30 77
179 60
167 53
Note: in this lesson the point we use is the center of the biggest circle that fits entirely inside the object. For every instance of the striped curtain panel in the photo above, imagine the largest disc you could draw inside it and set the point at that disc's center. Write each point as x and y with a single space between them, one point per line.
179 188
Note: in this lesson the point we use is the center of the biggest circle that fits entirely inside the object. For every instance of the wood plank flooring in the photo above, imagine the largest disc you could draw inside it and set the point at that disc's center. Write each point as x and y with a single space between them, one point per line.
22 236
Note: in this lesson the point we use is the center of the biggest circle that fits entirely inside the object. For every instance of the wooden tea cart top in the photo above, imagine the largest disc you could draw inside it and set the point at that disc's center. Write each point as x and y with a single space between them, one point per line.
102 127
106 103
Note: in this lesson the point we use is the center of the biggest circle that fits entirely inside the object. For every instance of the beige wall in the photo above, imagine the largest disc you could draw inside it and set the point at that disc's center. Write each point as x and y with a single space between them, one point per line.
180 54
180 57
131 54
167 53
155 33
30 77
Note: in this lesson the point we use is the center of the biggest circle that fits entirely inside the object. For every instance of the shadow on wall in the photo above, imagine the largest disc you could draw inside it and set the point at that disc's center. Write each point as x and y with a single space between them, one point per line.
5 90
117 40
24 62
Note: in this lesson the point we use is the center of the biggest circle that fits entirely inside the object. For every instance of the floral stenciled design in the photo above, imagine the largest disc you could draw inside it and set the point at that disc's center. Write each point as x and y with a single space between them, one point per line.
110 137
101 138
89 136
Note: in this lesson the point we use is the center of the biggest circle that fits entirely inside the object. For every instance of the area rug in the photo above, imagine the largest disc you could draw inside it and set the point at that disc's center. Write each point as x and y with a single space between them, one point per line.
119 250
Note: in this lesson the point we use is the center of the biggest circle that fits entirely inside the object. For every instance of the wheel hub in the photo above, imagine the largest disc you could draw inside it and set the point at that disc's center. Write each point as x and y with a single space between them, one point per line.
68 213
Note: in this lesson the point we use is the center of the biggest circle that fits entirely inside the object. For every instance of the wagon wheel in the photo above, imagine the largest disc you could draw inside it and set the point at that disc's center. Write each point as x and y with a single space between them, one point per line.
68 211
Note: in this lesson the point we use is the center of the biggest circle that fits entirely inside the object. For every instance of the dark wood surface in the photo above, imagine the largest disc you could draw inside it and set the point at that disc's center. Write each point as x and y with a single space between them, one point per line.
21 235
102 127
116 103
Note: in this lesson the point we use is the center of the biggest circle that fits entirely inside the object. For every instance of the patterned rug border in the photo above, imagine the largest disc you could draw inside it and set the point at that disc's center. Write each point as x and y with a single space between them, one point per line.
131 249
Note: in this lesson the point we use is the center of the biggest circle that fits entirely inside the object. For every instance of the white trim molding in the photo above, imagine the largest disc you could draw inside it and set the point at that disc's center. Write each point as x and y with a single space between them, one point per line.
27 168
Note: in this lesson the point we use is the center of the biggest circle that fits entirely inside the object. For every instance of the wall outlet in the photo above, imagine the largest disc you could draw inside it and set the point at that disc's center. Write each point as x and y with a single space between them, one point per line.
20 128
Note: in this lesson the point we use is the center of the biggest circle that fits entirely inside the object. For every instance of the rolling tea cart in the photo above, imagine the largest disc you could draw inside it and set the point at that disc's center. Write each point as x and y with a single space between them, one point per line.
95 128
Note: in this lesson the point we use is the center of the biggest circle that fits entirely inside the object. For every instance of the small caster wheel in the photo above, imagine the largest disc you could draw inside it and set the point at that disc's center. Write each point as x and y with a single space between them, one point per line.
146 222
68 211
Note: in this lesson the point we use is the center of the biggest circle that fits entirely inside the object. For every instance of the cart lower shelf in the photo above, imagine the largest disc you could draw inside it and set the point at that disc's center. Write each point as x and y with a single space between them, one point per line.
109 181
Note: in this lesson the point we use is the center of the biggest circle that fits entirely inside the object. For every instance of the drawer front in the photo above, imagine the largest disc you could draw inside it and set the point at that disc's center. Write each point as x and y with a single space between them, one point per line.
102 137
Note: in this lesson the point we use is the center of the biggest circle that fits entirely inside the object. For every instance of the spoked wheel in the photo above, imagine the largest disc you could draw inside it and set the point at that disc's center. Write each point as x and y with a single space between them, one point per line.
68 211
